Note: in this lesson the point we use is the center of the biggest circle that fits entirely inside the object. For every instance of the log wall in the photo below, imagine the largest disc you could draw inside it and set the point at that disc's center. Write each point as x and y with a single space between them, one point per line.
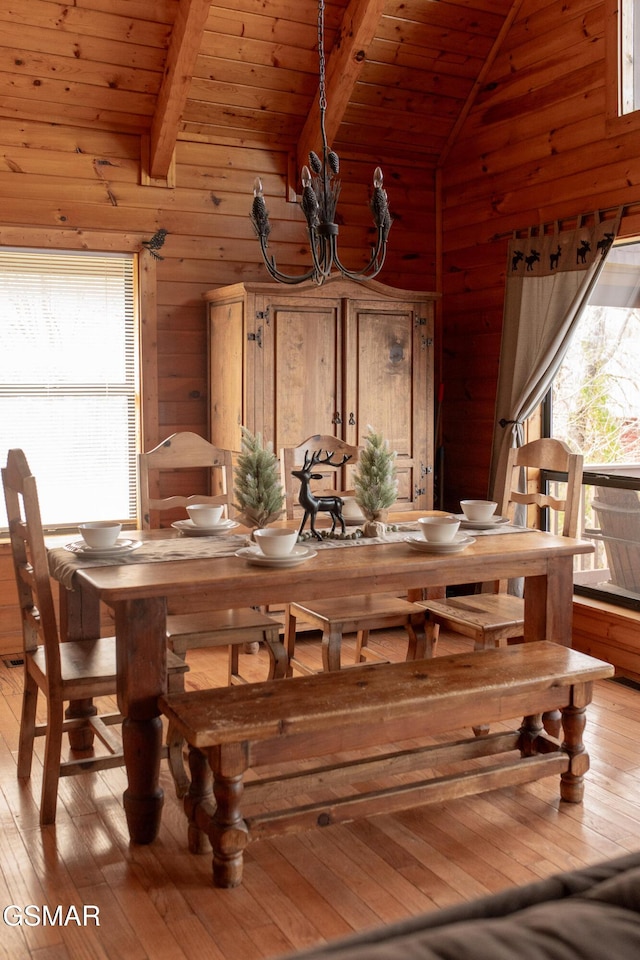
71 187
538 146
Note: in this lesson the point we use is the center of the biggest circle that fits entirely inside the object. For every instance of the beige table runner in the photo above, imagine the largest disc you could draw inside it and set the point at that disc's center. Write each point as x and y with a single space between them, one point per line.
63 563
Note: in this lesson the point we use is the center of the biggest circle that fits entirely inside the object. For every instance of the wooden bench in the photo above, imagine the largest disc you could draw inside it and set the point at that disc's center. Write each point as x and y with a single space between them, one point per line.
282 722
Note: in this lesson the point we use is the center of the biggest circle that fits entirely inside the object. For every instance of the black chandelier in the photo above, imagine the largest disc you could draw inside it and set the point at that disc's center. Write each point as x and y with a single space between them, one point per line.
320 191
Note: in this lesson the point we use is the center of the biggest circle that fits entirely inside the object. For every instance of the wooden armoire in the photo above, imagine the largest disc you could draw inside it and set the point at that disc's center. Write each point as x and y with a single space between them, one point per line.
292 361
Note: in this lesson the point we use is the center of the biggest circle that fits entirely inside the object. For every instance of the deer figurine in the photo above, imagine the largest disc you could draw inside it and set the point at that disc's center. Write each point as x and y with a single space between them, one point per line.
312 504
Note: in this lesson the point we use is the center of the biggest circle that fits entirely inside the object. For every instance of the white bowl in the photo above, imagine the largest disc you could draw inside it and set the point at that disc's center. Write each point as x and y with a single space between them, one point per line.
478 509
205 514
439 529
100 533
275 542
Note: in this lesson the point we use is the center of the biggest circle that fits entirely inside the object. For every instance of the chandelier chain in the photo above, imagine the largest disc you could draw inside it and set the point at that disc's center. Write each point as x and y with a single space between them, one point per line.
322 90
320 191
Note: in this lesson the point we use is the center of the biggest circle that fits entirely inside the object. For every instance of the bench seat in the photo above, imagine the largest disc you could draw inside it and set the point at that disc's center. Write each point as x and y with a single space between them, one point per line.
233 730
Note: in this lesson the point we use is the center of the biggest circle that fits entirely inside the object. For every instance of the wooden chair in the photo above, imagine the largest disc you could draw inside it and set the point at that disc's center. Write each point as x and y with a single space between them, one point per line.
359 614
292 458
63 672
491 619
188 453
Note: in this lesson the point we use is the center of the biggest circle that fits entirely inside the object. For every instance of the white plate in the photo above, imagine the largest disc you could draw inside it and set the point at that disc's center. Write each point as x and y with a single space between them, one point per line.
119 548
191 529
299 554
459 542
480 524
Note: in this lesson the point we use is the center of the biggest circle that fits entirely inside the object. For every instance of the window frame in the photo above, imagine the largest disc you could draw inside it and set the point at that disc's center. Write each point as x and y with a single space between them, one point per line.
617 121
132 366
610 475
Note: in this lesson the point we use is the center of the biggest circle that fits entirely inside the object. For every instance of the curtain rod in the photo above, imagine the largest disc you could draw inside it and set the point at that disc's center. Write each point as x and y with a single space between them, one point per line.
577 218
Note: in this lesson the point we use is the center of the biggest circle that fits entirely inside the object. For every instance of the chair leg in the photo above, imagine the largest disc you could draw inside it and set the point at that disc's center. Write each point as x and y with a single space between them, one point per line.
331 648
423 638
233 674
278 659
52 757
362 640
175 759
290 637
175 744
27 726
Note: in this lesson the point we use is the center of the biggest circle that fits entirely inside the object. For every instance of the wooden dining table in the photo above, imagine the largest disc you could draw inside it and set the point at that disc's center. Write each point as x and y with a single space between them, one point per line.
139 593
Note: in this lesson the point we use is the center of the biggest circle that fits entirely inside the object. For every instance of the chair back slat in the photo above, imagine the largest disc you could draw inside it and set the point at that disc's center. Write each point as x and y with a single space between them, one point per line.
39 624
293 457
533 459
181 453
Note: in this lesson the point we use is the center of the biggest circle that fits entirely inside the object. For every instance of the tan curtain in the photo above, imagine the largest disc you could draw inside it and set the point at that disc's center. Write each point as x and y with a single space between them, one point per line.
548 282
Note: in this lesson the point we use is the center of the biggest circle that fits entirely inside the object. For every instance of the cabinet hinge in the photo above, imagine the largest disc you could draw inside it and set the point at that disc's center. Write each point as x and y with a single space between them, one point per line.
257 336
421 321
263 315
426 342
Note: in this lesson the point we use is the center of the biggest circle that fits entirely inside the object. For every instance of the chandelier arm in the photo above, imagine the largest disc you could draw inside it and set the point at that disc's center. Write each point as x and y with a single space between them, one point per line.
375 263
270 264
321 252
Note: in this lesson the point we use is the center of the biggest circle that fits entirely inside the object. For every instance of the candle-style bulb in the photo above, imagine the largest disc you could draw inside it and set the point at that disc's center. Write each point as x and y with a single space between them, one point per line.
378 179
305 176
257 187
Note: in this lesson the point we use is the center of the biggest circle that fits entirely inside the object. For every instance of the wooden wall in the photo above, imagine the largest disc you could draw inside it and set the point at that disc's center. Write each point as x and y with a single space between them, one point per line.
538 146
79 188
71 187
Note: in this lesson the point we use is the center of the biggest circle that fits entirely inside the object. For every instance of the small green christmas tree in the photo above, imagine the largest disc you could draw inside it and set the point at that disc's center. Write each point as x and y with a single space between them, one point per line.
375 480
257 488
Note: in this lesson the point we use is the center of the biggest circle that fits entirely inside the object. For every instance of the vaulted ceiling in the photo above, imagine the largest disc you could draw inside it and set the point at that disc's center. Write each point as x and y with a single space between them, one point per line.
401 74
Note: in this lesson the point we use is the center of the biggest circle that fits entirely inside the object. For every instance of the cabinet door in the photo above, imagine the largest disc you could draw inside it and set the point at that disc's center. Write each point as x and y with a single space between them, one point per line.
228 374
388 360
302 368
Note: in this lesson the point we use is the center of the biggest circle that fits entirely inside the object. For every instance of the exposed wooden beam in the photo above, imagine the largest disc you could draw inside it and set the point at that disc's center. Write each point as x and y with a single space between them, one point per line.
186 41
343 67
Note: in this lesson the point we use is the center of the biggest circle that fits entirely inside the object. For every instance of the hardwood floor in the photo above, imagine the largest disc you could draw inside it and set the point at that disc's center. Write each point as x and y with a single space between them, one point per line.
158 901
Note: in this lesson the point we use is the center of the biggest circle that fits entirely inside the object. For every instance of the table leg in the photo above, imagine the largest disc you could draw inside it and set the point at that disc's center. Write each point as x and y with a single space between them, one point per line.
142 677
548 603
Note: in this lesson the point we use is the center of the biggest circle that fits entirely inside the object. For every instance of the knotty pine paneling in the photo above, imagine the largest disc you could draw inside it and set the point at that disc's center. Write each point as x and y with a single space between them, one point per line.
534 148
81 188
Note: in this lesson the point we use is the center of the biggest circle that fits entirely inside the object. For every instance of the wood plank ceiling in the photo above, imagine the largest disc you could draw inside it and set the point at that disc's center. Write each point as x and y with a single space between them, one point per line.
401 74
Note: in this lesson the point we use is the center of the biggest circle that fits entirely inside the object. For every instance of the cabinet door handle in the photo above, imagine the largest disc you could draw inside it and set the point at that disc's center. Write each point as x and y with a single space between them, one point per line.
352 420
336 417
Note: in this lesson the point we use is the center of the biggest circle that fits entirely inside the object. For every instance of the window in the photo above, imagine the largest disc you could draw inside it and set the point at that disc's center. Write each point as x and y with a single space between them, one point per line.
595 407
629 47
69 384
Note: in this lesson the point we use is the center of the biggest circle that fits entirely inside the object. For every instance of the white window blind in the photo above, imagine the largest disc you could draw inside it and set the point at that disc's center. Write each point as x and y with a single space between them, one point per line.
69 380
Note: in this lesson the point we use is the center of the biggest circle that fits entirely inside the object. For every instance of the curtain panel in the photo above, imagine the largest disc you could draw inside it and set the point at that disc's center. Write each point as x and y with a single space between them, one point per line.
549 279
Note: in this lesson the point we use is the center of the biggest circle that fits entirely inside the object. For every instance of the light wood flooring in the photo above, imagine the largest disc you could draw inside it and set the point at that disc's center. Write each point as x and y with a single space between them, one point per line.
158 901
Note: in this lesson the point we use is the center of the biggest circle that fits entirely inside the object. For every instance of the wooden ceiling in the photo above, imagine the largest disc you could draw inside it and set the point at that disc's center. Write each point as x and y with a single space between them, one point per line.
401 74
